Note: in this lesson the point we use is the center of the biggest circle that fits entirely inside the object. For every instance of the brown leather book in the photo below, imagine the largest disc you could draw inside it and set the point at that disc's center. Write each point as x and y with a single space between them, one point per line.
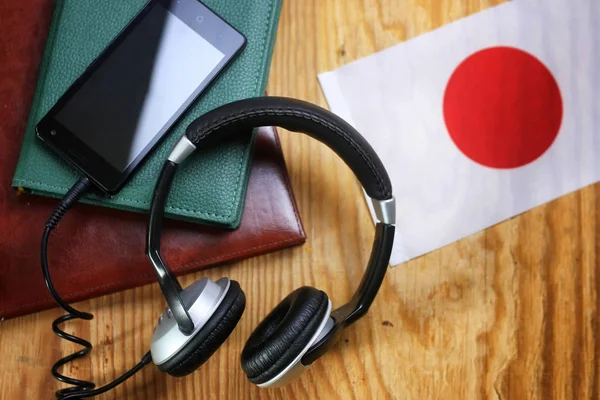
94 250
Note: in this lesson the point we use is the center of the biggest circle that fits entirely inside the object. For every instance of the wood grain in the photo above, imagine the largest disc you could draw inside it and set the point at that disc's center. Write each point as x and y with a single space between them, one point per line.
508 313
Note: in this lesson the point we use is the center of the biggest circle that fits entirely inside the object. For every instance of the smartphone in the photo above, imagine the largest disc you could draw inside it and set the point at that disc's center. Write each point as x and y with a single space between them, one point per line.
118 110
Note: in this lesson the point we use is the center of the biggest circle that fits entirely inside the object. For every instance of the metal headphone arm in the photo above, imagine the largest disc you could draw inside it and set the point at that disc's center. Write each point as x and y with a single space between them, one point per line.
169 285
362 299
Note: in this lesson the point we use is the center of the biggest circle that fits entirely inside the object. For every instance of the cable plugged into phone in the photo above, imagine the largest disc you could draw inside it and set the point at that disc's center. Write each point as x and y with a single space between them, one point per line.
72 197
80 388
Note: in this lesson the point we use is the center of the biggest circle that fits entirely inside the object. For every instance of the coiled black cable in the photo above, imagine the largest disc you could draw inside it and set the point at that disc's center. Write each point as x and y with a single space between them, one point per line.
80 388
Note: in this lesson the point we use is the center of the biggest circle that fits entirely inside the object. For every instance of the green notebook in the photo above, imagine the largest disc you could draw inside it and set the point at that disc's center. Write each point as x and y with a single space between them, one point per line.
210 189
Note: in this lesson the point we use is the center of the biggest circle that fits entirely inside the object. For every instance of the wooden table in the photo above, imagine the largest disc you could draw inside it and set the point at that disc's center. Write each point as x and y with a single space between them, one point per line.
511 312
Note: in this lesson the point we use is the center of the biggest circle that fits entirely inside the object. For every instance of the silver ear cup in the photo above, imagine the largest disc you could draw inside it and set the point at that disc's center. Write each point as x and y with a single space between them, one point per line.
200 299
295 368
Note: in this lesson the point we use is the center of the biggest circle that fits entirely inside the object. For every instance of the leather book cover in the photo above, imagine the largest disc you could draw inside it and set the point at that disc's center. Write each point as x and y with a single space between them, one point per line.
211 189
96 250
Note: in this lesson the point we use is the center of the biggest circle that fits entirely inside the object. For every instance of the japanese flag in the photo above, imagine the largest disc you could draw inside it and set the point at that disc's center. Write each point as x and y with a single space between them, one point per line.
481 119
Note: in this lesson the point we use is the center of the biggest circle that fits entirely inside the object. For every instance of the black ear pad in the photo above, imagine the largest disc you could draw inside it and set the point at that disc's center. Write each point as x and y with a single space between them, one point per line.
283 334
211 336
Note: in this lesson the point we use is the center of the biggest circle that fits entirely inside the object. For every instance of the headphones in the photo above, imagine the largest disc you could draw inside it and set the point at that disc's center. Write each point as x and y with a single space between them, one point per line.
302 327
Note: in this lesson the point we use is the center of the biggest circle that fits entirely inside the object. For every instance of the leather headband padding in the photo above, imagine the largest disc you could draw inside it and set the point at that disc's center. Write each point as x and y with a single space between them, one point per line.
298 116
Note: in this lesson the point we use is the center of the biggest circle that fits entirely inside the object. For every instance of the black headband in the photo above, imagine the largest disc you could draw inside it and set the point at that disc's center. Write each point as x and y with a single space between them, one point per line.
295 115
298 116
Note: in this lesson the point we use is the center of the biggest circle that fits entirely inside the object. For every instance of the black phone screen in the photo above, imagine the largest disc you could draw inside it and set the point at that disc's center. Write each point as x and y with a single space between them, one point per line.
138 87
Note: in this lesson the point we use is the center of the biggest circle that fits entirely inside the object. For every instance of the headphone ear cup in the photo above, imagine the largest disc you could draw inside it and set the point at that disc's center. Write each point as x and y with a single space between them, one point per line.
212 335
284 334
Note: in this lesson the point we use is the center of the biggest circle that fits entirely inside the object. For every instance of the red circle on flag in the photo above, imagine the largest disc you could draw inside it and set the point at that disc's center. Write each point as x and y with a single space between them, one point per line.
502 107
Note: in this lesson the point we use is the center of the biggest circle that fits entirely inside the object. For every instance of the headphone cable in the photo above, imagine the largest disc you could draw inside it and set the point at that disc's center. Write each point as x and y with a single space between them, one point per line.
80 388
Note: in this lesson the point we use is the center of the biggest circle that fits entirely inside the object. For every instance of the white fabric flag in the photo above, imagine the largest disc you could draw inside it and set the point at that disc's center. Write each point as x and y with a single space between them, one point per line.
482 119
